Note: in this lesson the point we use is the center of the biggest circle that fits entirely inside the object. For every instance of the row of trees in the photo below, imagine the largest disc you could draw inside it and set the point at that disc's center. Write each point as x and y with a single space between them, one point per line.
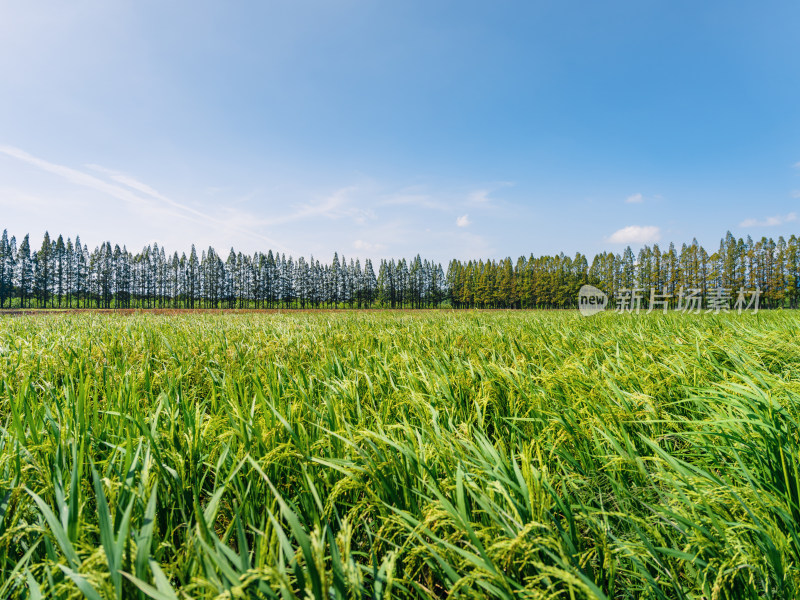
553 281
67 275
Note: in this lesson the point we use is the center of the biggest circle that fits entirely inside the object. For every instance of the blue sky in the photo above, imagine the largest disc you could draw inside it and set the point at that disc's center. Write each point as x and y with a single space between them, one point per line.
375 129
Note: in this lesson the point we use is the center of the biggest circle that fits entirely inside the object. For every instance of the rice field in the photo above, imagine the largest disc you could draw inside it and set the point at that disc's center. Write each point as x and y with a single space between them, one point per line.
387 454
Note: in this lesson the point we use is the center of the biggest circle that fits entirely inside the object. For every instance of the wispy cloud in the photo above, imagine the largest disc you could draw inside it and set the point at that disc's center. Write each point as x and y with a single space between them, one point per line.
480 197
127 181
483 198
145 189
636 198
443 200
72 175
463 221
796 194
769 221
796 165
636 234
325 208
337 205
124 189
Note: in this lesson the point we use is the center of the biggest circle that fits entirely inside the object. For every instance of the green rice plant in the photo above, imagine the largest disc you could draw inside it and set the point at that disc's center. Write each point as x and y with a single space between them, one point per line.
393 455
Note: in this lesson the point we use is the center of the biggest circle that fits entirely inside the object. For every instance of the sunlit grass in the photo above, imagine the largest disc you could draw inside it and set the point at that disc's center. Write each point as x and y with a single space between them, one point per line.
363 455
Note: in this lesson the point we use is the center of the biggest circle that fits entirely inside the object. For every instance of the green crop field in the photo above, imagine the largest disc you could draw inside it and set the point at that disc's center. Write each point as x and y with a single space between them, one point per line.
376 455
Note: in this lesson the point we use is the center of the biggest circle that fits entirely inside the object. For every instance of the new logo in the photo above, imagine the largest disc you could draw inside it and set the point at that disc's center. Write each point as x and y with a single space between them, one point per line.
591 300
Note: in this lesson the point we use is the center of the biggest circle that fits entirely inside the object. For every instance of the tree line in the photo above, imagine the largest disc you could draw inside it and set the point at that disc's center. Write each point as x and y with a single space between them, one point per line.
65 274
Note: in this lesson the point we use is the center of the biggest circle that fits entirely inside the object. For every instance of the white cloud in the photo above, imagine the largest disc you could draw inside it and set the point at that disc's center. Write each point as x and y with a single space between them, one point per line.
480 197
796 194
130 182
463 221
368 246
163 208
769 221
328 207
636 234
636 198
337 205
796 165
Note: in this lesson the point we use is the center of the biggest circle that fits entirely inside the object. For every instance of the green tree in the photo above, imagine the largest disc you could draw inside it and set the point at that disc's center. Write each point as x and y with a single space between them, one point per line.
24 271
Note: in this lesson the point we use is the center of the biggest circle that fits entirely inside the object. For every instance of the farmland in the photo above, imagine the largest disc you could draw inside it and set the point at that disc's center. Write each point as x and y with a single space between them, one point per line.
390 454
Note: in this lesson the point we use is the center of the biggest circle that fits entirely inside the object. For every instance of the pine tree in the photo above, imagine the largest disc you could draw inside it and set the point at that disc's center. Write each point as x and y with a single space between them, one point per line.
7 264
24 271
793 271
58 275
43 274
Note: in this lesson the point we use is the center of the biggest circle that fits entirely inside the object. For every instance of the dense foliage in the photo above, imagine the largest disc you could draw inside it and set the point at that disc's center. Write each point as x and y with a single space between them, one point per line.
363 455
63 274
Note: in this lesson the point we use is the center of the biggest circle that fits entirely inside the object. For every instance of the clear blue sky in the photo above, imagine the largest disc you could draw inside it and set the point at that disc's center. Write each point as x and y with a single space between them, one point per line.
454 129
